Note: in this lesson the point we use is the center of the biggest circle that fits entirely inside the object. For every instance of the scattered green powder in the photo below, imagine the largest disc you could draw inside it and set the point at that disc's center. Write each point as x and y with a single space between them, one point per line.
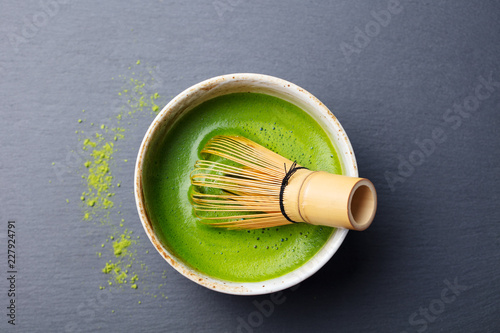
99 178
120 278
120 247
100 147
108 268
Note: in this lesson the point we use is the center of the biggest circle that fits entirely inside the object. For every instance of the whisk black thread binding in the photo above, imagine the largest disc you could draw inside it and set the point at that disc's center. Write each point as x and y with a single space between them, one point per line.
284 183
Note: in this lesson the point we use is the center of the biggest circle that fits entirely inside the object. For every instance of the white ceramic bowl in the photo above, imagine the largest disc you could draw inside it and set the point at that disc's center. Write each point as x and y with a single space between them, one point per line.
233 83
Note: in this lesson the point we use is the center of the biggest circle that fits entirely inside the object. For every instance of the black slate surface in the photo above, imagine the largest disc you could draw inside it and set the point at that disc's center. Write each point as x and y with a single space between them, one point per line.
409 87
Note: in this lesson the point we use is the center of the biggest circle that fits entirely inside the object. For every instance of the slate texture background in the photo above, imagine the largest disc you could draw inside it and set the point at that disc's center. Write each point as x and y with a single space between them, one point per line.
439 221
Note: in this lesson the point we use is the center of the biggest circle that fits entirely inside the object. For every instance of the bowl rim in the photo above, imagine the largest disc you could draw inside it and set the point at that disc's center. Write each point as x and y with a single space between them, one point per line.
334 131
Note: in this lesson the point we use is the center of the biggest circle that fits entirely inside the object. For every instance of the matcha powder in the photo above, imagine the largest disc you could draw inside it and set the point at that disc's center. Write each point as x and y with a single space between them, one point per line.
100 145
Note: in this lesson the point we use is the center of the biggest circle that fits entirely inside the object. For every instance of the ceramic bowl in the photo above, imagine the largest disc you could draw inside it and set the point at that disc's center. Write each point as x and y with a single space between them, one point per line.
234 83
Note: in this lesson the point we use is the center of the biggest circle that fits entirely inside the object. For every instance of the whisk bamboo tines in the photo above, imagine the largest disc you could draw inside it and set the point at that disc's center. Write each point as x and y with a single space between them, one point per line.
242 185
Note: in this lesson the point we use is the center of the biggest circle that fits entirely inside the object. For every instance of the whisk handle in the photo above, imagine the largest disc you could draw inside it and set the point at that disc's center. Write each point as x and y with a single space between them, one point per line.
335 200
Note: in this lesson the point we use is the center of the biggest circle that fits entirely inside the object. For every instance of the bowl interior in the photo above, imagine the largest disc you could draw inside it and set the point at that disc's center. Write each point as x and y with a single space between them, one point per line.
219 86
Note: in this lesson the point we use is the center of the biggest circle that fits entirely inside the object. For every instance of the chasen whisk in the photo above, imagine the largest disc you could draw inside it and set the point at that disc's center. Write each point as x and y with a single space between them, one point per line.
242 185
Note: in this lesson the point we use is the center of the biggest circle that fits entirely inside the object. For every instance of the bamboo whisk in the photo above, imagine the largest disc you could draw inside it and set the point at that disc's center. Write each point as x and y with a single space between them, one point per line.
242 185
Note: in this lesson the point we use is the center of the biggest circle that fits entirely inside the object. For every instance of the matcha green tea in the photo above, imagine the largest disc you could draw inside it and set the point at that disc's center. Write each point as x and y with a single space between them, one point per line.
234 255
